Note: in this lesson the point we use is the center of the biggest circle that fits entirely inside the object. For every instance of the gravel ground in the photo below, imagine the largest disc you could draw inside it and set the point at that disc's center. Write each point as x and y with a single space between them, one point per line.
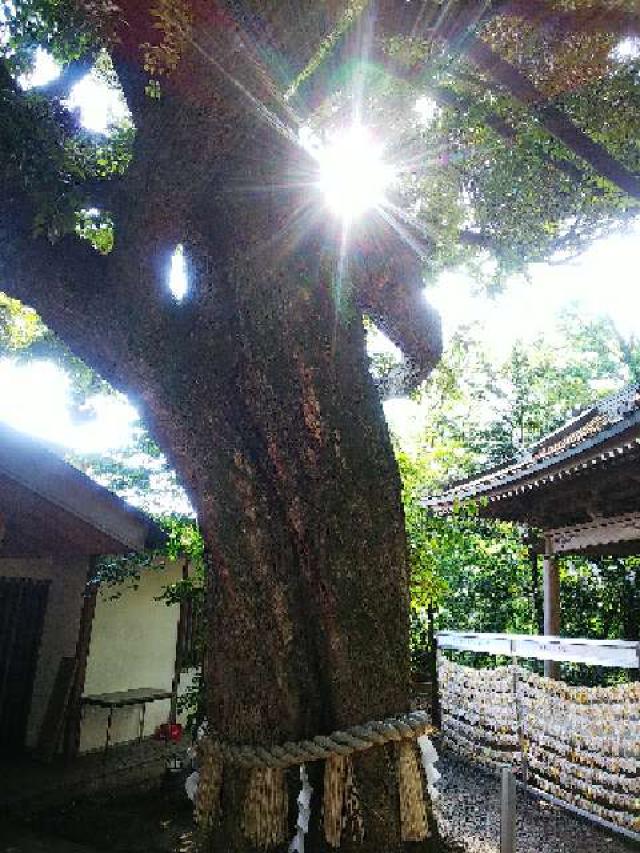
159 821
469 816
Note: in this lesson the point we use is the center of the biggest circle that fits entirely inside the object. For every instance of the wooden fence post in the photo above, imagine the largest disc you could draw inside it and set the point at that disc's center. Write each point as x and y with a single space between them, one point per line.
551 582
508 812
436 717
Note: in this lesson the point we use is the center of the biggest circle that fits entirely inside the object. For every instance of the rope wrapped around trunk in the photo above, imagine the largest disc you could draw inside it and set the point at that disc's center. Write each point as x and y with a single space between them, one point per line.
353 739
265 810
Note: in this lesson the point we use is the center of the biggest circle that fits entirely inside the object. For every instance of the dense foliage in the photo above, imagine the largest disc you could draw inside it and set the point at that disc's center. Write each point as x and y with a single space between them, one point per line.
478 410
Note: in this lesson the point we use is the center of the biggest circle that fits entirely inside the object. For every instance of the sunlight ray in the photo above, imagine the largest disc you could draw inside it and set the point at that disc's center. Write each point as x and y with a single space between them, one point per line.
409 239
365 34
341 268
260 108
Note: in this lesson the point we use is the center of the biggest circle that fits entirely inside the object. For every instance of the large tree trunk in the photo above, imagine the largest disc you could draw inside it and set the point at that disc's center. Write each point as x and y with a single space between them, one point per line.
271 415
299 499
257 388
308 587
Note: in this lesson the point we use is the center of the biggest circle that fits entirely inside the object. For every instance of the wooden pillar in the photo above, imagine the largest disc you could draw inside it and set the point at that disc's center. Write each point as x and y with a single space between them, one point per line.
177 668
551 582
83 644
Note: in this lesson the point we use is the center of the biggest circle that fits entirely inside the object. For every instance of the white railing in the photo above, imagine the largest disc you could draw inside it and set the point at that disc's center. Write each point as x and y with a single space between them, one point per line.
612 653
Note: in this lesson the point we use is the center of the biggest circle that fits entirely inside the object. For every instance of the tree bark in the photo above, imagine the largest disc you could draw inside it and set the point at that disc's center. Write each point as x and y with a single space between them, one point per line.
308 588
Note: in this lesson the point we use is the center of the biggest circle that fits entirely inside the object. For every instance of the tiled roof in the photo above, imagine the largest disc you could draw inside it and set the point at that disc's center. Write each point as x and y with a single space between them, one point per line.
596 436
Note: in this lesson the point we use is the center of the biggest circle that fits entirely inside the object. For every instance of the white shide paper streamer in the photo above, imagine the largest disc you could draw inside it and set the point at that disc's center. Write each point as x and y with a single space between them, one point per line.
304 812
429 758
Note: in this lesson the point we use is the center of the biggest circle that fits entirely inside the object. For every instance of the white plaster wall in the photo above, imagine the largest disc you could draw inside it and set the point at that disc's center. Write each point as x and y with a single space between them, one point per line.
187 677
61 622
133 645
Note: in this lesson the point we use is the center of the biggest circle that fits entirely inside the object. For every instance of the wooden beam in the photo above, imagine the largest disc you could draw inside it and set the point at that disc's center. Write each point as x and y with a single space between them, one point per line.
75 502
608 530
550 117
56 714
83 645
551 586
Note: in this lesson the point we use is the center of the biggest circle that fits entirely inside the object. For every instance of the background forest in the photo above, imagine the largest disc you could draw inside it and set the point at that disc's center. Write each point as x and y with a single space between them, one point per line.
478 411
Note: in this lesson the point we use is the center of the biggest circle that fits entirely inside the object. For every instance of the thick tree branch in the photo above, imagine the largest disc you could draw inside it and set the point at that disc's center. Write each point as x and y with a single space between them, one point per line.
446 97
594 18
551 118
91 301
68 282
475 238
61 281
391 292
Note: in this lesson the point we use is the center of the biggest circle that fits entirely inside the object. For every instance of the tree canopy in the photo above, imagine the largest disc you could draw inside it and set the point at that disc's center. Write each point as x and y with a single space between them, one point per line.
523 144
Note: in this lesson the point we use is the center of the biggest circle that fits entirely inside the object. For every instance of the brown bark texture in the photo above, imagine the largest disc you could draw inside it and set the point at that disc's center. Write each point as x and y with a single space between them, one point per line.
257 388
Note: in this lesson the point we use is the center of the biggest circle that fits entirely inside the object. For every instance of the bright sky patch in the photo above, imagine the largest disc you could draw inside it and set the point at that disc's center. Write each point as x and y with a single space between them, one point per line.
44 70
627 50
178 274
35 397
101 106
426 109
599 282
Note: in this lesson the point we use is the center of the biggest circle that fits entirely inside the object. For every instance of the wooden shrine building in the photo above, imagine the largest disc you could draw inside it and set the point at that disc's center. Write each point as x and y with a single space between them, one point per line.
580 486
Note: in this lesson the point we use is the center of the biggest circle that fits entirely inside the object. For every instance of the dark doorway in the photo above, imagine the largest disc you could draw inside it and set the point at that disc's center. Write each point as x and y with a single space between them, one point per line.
23 602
